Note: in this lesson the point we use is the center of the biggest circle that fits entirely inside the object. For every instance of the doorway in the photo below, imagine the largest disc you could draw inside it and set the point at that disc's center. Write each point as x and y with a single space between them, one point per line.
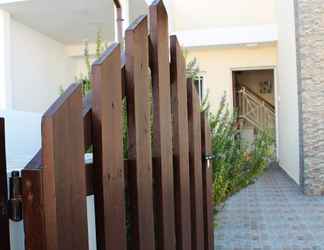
254 99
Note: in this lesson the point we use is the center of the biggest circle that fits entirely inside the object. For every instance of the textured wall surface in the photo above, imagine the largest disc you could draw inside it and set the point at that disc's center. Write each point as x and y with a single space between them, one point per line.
310 53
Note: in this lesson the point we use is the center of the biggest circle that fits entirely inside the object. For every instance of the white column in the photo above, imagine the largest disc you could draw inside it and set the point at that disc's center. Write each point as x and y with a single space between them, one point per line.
5 63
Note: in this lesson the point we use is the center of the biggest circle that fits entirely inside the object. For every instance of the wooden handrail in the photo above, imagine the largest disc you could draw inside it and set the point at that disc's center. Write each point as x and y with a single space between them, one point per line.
271 106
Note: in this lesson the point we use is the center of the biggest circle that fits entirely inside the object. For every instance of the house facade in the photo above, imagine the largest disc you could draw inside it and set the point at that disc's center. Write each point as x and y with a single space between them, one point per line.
229 37
264 53
42 46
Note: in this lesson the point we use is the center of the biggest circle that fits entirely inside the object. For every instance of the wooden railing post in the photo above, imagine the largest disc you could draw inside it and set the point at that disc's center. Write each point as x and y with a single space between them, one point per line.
162 129
108 151
140 183
4 218
180 146
207 174
196 192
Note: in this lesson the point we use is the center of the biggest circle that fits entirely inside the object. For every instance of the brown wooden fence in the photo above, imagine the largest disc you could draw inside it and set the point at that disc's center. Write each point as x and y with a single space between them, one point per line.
4 216
160 198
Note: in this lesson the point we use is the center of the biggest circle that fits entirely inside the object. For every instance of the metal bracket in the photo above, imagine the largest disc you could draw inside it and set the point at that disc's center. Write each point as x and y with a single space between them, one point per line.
15 197
209 158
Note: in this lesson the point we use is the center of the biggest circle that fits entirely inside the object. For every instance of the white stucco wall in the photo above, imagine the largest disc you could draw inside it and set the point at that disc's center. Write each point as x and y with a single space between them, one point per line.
39 67
287 91
5 74
204 14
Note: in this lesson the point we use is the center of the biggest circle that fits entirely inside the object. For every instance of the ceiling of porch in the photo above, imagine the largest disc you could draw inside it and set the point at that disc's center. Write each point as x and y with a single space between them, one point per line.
69 21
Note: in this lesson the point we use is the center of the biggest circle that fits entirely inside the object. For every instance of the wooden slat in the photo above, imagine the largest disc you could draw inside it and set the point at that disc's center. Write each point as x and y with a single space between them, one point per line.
207 183
63 174
180 146
4 220
108 151
31 181
87 120
139 143
162 129
197 215
33 211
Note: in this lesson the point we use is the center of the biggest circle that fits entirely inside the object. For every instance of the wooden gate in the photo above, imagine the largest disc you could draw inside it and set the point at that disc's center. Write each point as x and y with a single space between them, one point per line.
4 218
160 197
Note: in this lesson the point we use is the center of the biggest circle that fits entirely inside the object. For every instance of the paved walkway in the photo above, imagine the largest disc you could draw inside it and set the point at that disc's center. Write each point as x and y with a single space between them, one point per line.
272 214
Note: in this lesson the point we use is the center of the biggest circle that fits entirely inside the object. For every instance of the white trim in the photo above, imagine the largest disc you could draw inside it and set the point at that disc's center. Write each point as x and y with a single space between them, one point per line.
11 1
276 97
5 62
229 36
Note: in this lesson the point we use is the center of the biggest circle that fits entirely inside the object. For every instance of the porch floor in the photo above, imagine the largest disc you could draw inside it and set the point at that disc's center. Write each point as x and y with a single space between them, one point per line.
272 214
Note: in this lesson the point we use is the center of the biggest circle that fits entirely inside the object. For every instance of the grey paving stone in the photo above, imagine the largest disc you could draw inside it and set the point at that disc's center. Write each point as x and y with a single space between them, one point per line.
272 214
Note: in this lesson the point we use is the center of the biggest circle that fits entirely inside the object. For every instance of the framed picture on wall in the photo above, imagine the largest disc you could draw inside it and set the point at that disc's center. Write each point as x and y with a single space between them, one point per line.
266 87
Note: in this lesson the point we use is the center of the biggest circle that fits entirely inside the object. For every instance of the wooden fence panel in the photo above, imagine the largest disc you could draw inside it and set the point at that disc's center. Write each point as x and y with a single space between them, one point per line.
139 143
108 151
197 215
162 129
63 174
180 146
4 219
170 204
207 173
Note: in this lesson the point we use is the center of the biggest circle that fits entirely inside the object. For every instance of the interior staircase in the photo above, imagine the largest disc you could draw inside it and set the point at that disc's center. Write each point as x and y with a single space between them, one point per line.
255 111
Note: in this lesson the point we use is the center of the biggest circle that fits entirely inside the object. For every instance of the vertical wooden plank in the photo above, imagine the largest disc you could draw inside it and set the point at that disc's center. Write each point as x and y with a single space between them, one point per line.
180 146
162 129
108 151
207 174
63 174
4 220
139 143
195 166
33 209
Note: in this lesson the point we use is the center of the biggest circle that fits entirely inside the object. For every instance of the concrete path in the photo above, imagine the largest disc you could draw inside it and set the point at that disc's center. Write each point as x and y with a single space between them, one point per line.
272 214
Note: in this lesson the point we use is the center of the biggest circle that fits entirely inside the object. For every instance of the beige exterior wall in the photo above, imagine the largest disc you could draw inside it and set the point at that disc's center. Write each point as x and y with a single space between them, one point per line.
218 63
204 14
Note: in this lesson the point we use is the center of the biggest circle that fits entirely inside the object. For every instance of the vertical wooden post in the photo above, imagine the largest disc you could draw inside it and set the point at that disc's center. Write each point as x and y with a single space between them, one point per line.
197 215
139 143
207 173
108 151
180 146
162 128
4 219
33 208
63 174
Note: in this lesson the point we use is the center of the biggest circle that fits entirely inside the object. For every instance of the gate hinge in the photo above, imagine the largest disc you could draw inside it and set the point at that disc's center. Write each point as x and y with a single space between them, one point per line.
15 197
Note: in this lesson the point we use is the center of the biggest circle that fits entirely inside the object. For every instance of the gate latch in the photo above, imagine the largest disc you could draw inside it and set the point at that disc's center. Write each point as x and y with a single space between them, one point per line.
15 197
209 158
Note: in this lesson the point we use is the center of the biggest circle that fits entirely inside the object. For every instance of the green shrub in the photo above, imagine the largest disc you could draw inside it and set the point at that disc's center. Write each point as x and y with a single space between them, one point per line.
236 165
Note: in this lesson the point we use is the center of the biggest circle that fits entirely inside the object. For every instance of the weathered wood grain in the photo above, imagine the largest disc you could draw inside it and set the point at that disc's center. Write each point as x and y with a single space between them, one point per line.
162 128
139 144
180 146
195 157
108 151
207 173
4 219
63 174
33 210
